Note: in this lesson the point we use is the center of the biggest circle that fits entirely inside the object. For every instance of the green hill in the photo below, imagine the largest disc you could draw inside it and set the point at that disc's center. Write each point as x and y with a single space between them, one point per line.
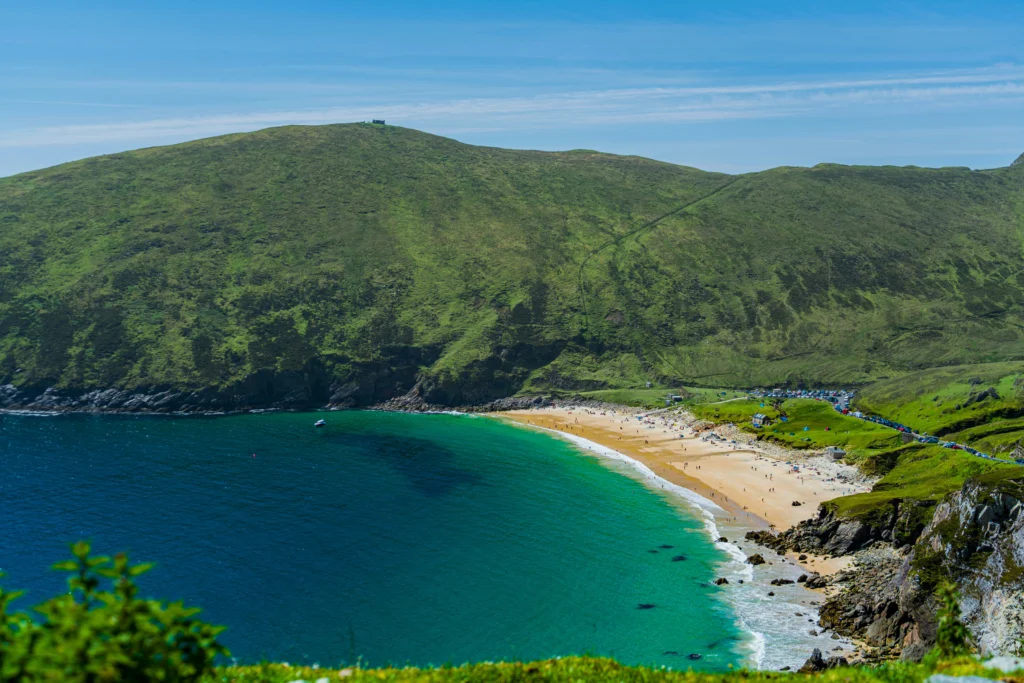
350 263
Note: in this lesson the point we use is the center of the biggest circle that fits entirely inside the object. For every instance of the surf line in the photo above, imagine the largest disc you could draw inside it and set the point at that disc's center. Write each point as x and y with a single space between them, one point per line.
736 562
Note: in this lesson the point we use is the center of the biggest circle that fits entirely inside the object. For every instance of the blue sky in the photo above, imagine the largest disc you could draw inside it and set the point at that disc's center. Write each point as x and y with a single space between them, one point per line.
729 86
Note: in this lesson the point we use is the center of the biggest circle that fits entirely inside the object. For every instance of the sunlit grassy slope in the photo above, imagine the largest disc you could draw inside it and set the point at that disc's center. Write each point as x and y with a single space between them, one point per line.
655 398
573 669
946 400
360 251
923 475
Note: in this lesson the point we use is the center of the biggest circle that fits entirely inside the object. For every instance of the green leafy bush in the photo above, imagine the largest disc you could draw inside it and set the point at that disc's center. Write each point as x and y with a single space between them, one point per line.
952 638
101 631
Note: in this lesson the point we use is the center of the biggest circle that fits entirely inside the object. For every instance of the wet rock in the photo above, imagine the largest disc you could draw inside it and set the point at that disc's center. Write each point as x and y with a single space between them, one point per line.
781 582
802 557
666 547
645 605
755 559
802 578
771 594
679 558
816 581
693 655
721 581
723 539
796 503
816 662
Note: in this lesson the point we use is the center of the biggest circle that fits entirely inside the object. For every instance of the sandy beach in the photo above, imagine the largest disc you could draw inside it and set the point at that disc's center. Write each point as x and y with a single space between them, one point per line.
756 484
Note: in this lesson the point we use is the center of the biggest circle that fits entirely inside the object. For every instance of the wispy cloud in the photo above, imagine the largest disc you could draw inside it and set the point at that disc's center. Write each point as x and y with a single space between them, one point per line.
711 102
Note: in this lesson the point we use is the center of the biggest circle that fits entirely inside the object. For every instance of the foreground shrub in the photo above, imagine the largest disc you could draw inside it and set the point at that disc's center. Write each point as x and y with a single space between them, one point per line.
952 638
101 631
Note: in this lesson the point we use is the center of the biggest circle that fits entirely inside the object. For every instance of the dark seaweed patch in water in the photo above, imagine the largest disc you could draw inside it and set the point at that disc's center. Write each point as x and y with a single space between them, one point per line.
426 465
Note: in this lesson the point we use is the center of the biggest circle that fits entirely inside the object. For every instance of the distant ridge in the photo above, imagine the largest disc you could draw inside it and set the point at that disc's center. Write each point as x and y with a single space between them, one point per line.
354 263
1020 160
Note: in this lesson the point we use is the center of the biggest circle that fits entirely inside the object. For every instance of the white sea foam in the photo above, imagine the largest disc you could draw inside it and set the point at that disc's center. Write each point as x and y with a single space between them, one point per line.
705 505
777 637
31 413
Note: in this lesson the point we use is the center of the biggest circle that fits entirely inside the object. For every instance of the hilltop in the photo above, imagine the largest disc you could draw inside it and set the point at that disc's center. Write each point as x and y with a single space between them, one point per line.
353 263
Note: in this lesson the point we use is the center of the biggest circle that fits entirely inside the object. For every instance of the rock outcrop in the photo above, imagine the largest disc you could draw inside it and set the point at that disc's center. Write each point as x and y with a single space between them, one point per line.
974 537
829 534
816 662
977 539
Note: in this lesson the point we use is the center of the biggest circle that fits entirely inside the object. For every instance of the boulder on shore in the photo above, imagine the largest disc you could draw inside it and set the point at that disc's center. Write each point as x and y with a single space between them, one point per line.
816 581
818 663
755 559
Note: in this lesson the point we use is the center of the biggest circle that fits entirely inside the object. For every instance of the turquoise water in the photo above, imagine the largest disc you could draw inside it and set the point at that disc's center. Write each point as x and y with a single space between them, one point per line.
422 539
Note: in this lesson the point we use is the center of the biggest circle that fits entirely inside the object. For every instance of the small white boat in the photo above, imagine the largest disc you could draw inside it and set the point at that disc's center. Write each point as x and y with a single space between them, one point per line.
320 423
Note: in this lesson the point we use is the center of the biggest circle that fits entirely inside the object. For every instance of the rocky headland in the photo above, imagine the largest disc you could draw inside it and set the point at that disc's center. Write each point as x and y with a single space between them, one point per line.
975 537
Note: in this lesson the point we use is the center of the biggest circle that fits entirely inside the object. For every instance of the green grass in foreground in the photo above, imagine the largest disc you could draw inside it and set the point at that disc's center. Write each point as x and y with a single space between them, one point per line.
575 669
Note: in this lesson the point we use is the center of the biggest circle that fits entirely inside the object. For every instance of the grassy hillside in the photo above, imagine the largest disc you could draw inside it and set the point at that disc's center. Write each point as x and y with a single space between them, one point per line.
363 259
655 398
949 399
923 474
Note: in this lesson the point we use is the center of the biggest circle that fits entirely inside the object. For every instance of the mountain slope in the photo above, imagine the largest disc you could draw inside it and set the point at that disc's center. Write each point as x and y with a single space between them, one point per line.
351 262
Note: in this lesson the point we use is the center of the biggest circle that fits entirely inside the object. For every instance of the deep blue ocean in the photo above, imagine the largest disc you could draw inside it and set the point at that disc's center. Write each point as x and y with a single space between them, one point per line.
394 538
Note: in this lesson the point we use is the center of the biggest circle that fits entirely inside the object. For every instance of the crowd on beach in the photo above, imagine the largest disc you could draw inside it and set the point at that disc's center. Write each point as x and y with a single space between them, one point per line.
658 429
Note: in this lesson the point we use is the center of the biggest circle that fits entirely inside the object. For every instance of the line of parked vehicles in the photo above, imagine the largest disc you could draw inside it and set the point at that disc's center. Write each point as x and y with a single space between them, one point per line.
841 398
